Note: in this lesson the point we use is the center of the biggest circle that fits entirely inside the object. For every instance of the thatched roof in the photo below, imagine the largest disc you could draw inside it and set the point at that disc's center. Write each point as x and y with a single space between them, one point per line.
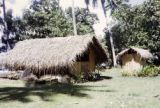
52 53
145 54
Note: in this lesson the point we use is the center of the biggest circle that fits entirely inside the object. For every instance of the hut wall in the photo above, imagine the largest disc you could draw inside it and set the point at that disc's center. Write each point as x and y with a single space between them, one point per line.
84 66
132 62
76 68
91 61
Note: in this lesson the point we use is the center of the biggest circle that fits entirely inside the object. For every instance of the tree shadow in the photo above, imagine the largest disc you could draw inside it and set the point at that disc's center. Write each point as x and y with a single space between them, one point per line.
106 77
100 78
44 92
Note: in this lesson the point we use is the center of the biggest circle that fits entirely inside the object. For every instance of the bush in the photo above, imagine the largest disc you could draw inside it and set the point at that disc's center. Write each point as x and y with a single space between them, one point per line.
128 73
147 71
150 71
158 69
88 77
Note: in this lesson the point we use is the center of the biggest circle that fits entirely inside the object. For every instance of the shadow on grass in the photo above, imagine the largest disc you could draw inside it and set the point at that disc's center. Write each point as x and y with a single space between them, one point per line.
44 92
106 77
100 78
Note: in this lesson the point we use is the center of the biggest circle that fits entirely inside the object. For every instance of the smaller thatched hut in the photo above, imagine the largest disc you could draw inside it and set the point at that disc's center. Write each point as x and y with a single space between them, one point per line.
133 59
71 55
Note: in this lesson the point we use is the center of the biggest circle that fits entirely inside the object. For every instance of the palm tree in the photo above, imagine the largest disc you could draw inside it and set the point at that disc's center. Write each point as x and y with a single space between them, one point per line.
74 19
7 19
5 24
106 4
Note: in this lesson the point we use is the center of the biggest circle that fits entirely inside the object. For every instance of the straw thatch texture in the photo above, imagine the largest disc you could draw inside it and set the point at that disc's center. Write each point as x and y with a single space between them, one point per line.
51 54
145 54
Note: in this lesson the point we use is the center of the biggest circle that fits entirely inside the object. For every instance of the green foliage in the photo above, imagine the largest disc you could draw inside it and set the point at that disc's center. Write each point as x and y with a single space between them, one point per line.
138 26
45 19
9 37
9 20
147 71
150 71
84 20
128 73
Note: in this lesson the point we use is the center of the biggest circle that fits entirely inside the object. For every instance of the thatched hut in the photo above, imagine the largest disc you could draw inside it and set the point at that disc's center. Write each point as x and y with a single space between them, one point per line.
58 56
133 59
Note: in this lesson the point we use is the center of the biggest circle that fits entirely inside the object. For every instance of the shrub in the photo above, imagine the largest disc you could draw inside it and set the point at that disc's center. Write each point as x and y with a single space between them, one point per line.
157 69
128 73
149 71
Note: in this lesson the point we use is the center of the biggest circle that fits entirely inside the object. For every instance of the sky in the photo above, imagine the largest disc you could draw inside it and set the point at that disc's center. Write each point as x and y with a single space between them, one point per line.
19 5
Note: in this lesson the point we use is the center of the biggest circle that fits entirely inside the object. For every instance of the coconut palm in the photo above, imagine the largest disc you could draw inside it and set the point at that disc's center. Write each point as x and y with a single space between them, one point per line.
74 19
7 21
112 4
106 5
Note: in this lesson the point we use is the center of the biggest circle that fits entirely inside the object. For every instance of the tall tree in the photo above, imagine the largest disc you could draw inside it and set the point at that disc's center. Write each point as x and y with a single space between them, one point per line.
138 26
8 32
107 5
45 19
84 20
74 19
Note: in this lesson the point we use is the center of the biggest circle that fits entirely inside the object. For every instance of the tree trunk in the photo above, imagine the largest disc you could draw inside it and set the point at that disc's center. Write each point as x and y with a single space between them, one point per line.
111 5
5 26
112 48
74 19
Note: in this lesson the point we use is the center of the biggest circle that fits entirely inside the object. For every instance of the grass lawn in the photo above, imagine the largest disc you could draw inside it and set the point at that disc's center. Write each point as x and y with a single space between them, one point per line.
117 92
